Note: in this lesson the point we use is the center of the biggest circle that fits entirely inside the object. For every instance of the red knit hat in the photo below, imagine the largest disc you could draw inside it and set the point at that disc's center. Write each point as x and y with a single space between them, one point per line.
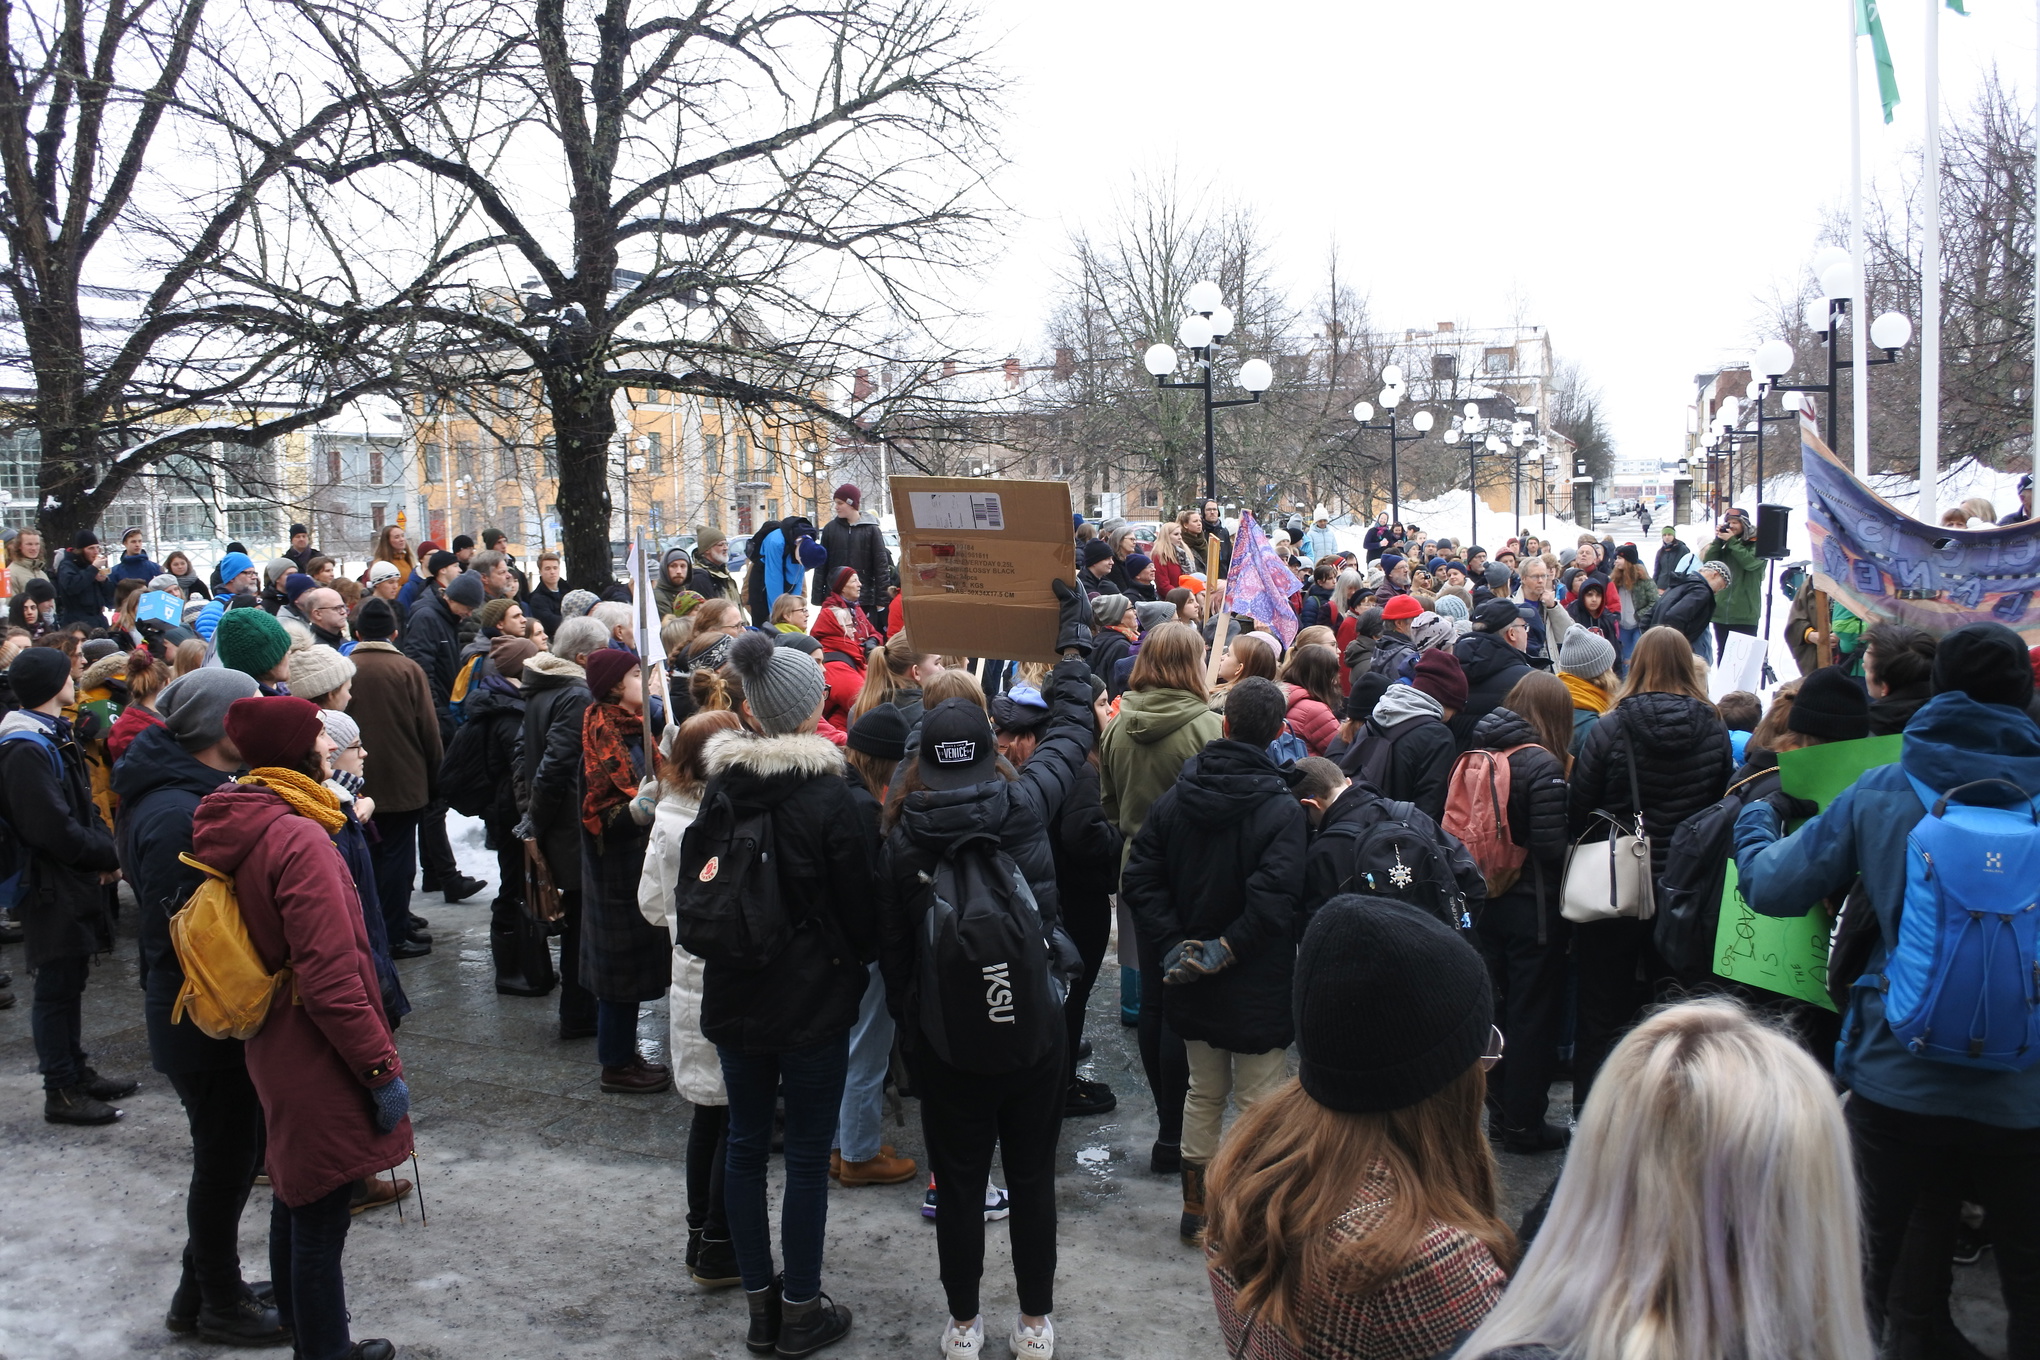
275 731
1402 607
606 670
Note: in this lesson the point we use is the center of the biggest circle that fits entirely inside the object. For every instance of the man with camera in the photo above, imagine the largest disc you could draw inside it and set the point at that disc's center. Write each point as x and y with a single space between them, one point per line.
1736 609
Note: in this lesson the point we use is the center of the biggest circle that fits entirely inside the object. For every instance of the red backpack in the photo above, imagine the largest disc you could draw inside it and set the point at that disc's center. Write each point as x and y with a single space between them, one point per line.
1477 812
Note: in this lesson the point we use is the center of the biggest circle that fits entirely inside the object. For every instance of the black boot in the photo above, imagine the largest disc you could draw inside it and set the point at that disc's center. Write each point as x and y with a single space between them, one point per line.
183 1314
805 1328
504 944
76 1105
534 956
763 1338
715 1266
248 1323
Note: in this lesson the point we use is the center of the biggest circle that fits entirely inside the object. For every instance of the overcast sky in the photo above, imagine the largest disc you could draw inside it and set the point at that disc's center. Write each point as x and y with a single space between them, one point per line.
1594 159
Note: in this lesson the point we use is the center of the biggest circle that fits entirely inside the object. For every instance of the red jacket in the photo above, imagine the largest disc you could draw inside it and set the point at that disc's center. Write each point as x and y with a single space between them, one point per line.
1315 723
126 728
326 1028
1168 576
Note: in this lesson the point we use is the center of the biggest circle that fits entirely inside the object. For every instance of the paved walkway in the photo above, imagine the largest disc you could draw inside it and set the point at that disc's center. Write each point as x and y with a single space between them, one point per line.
557 1212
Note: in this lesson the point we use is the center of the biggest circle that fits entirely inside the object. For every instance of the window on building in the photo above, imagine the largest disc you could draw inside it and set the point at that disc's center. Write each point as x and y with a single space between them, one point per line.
376 475
506 463
1499 361
251 523
655 457
772 509
378 513
711 451
549 455
184 521
1445 366
246 468
333 466
744 459
21 463
464 457
433 470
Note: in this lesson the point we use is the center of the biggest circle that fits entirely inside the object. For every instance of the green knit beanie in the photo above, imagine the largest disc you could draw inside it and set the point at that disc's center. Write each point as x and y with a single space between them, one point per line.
250 641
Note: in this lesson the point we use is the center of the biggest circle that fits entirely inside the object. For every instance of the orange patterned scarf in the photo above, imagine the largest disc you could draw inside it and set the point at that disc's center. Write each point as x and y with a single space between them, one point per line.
610 768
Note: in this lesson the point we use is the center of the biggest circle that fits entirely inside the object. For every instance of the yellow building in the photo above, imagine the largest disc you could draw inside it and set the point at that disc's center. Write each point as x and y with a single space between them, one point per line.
485 457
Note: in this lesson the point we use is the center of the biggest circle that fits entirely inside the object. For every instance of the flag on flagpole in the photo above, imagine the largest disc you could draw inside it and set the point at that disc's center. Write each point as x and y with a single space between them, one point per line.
1259 585
1956 5
1869 21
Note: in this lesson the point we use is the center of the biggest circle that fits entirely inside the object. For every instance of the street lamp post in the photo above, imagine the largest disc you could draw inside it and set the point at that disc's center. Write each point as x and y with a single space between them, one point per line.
1392 394
1206 328
1890 332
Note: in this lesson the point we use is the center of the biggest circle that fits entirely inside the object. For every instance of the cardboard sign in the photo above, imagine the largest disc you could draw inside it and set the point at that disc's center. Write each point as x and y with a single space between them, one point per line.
977 558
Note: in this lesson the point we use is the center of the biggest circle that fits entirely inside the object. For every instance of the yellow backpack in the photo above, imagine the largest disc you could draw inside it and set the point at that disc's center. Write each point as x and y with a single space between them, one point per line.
227 992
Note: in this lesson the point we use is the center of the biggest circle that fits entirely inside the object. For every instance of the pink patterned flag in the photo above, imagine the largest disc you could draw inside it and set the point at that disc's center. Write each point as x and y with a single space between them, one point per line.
1260 586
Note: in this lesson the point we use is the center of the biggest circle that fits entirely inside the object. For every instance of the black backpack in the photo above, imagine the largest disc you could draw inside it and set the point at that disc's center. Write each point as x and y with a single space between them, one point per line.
1402 854
1689 891
1369 759
989 1002
464 772
728 904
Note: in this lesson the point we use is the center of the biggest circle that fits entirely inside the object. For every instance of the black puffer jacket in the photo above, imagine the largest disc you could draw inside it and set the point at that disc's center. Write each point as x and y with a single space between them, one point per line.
160 785
1687 604
49 809
1492 669
1019 812
812 990
1221 854
1088 846
432 639
1683 761
549 762
1537 804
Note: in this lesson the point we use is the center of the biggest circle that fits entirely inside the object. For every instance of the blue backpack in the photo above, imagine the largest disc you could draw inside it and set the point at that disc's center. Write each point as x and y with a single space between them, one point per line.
1288 747
1962 983
15 859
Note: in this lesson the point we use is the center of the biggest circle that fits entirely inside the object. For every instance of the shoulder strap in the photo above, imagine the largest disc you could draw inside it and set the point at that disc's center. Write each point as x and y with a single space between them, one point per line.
1629 760
42 739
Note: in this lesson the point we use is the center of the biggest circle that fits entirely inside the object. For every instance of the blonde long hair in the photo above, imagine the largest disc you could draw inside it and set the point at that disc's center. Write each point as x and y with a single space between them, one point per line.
1291 1166
1708 1207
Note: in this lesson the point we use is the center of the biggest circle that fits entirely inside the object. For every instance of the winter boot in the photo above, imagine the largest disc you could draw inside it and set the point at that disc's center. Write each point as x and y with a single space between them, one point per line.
76 1105
805 1328
534 957
763 1338
505 949
1192 1227
715 1267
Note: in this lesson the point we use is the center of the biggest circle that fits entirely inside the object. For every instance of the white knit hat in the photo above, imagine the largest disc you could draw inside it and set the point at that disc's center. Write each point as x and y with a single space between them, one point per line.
317 671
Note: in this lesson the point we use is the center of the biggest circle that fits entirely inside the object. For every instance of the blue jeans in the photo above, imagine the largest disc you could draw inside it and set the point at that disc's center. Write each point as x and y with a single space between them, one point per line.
857 1124
304 1268
616 1032
813 1085
56 1018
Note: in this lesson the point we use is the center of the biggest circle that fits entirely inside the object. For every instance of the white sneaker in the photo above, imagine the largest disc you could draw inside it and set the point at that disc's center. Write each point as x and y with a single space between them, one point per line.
963 1343
997 1206
1031 1343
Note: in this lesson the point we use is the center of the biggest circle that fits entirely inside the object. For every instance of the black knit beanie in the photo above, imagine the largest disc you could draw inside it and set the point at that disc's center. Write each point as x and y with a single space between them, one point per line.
1986 661
1830 705
1391 1005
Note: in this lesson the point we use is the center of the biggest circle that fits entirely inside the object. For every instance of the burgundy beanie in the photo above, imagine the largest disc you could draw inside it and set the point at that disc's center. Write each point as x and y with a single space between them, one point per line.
606 670
273 731
1440 675
838 577
849 492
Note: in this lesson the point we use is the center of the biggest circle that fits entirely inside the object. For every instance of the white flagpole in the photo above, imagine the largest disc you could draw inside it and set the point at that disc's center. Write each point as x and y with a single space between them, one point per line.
1859 349
1930 286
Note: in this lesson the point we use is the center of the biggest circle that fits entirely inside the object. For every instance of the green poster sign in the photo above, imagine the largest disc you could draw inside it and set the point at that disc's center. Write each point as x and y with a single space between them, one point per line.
1789 954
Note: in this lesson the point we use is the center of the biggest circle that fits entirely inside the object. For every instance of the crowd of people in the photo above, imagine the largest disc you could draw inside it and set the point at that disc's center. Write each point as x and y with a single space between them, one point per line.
827 849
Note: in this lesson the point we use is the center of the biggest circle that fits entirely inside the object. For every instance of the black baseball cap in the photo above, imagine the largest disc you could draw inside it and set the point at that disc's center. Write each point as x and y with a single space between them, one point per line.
957 749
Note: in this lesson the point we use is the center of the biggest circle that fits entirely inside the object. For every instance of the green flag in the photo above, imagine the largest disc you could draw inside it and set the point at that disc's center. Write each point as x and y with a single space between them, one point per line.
1956 5
1869 21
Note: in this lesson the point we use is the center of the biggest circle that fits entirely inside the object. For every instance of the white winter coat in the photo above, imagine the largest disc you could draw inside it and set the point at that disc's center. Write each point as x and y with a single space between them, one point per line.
697 1071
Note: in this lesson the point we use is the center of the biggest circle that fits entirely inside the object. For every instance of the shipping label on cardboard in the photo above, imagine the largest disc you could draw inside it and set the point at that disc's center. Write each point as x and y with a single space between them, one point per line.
956 510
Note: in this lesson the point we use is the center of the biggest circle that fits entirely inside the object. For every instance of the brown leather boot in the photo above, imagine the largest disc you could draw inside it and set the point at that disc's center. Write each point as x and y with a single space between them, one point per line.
639 1078
884 1169
1192 1226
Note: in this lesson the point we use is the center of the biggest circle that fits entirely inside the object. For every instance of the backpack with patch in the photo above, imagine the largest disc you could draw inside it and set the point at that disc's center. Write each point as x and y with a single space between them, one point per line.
1288 747
728 907
1402 854
1477 812
15 859
989 1002
227 991
1962 982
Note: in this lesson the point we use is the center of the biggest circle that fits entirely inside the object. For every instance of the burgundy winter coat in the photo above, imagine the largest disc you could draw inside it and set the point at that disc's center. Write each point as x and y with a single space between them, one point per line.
326 1027
1315 723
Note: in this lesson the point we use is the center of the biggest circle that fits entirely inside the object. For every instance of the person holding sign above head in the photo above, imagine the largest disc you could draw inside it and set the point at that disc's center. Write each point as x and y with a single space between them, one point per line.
1945 1089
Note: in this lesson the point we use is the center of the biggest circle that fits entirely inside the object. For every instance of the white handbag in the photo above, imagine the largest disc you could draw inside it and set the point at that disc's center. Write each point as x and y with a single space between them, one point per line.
1609 879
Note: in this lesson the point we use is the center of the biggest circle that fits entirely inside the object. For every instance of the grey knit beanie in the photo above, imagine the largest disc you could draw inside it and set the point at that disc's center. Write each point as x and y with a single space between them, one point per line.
194 705
782 687
1108 610
578 602
1585 653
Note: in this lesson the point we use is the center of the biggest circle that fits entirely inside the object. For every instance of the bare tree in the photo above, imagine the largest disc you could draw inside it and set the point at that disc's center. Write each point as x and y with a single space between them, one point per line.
738 200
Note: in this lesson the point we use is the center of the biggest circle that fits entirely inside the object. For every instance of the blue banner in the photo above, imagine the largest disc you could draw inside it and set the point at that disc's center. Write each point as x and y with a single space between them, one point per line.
1883 564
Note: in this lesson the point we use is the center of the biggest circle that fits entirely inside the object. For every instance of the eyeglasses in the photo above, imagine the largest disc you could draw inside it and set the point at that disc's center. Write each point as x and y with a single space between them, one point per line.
1493 1053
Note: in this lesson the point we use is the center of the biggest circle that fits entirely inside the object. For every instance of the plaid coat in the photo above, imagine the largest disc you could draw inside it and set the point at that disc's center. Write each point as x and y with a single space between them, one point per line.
1447 1288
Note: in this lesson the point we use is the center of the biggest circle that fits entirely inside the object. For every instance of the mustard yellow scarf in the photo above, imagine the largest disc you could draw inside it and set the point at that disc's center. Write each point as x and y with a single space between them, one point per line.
1585 693
306 796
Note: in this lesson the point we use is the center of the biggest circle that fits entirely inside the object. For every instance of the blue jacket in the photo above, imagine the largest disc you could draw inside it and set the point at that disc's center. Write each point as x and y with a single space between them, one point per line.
134 567
1952 740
